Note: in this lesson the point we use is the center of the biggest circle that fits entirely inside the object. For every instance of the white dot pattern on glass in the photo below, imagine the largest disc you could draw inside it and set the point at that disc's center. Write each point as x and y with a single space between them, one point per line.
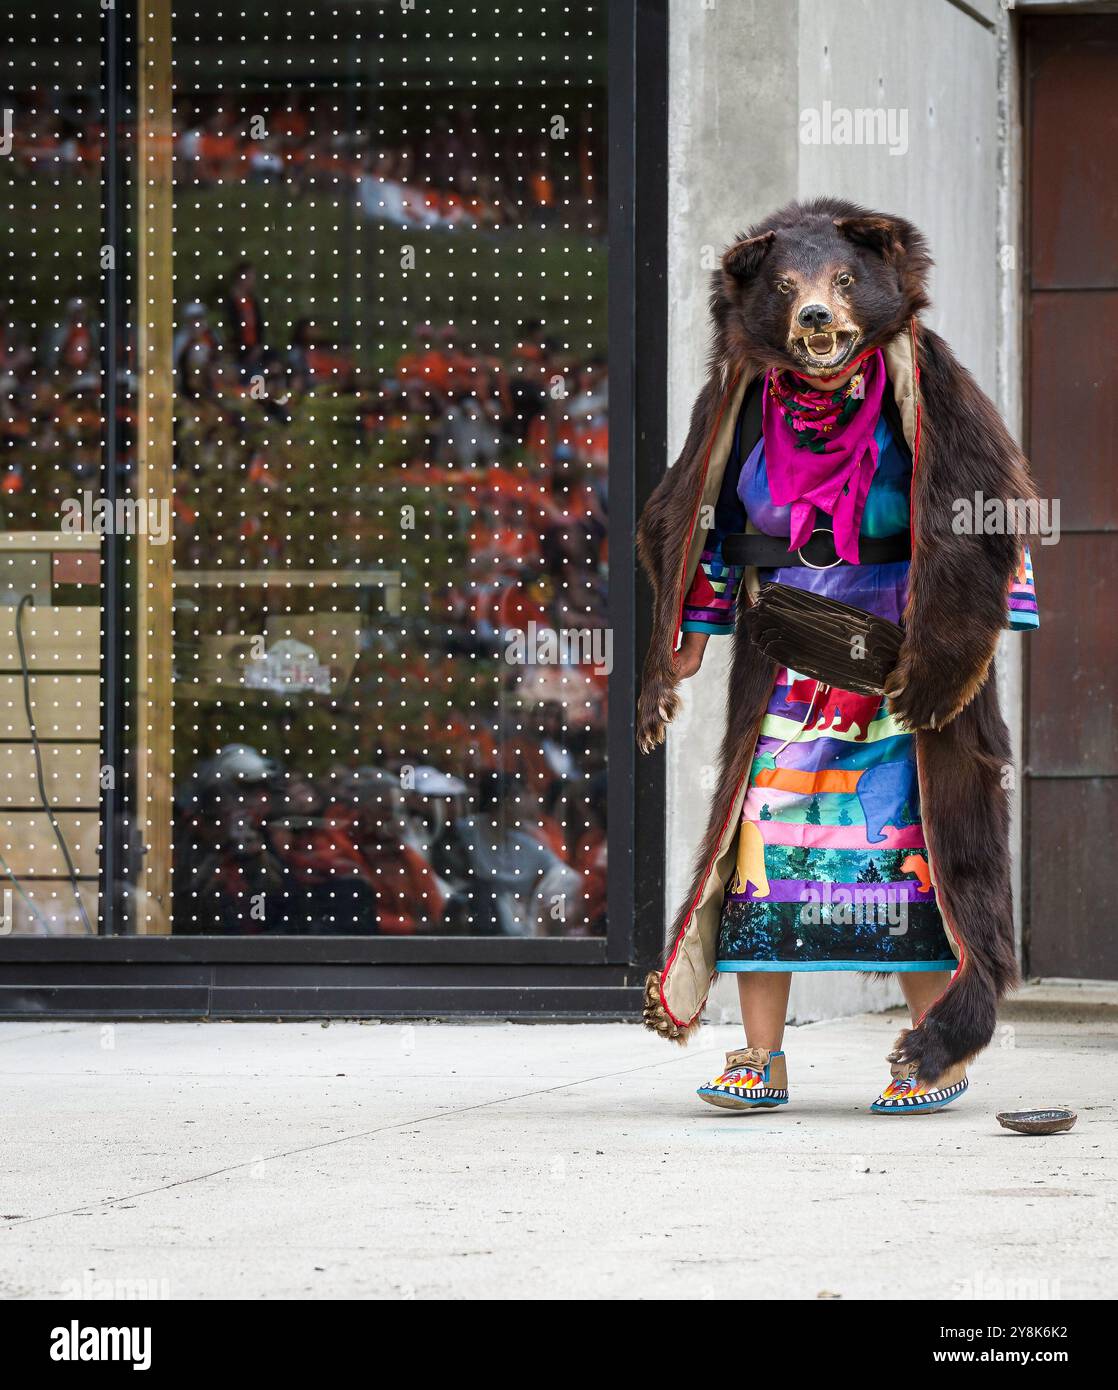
51 409
391 636
381 289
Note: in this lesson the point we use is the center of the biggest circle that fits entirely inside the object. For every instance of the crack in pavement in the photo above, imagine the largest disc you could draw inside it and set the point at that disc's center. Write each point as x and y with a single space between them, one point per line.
89 1207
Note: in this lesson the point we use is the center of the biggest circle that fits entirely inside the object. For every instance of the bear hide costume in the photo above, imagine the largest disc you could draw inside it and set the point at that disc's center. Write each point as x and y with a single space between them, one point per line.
943 686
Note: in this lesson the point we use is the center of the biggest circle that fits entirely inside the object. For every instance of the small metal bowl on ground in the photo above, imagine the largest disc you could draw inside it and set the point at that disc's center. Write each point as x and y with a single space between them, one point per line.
1037 1121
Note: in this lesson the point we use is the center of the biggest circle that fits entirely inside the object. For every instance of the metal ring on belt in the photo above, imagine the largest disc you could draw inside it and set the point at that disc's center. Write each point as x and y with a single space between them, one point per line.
803 558
771 552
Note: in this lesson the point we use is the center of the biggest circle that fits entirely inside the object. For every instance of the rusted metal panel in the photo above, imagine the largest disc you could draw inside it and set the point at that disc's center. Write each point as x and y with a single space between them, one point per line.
1072 78
1073 661
1073 893
1071 742
1073 388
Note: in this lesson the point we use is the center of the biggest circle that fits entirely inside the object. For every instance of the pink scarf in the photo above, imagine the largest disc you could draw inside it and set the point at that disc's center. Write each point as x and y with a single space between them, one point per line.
820 450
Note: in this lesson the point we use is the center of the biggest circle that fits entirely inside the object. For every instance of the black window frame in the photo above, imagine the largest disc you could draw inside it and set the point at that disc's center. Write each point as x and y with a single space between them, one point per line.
115 975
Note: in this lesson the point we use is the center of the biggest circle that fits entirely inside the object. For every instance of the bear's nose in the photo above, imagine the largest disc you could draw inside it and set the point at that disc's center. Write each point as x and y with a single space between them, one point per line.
815 316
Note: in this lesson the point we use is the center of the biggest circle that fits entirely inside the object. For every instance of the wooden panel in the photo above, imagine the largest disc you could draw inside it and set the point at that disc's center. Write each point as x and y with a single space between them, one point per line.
1072 73
59 639
1073 383
1073 659
30 849
154 481
63 706
25 572
49 540
70 771
57 909
1073 894
279 578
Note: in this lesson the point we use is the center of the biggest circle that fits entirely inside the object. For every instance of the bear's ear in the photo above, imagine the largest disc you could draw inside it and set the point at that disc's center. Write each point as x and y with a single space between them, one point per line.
888 236
744 258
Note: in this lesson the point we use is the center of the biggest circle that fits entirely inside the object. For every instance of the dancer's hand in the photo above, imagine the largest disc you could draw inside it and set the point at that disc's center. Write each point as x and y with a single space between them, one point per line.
690 655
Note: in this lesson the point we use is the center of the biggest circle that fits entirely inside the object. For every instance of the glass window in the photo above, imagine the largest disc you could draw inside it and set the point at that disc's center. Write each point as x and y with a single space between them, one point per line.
391 652
51 430
344 642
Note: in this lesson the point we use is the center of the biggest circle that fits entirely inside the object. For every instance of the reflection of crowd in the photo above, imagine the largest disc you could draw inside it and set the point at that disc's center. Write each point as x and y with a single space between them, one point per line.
365 851
441 175
529 438
507 833
433 174
229 365
50 413
57 133
509 837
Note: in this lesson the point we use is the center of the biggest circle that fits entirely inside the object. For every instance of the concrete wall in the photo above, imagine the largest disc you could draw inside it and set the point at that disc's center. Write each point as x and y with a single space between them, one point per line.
742 71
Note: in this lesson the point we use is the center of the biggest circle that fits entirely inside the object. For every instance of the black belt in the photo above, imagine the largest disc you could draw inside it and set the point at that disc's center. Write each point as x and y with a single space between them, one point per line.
771 552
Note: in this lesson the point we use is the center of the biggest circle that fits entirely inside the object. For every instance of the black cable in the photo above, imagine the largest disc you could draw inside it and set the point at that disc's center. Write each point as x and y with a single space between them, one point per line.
23 603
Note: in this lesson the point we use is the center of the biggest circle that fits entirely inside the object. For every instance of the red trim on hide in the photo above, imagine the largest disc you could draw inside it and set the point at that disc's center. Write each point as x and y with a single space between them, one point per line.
694 903
727 394
916 431
695 514
710 865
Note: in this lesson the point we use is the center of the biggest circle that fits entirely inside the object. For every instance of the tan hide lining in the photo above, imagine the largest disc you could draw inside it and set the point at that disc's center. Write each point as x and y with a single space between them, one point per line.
716 466
901 369
685 992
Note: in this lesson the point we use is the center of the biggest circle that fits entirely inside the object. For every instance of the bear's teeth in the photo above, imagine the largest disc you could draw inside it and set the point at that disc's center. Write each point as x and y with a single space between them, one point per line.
831 339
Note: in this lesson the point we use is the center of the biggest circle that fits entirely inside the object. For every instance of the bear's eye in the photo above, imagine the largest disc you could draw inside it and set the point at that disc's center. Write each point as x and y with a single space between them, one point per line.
844 278
784 286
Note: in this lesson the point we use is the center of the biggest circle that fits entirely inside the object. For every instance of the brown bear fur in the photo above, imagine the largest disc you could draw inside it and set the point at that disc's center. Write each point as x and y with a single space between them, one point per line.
942 686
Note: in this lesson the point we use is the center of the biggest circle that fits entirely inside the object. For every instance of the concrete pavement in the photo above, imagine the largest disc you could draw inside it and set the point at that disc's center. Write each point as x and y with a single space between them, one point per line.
195 1160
